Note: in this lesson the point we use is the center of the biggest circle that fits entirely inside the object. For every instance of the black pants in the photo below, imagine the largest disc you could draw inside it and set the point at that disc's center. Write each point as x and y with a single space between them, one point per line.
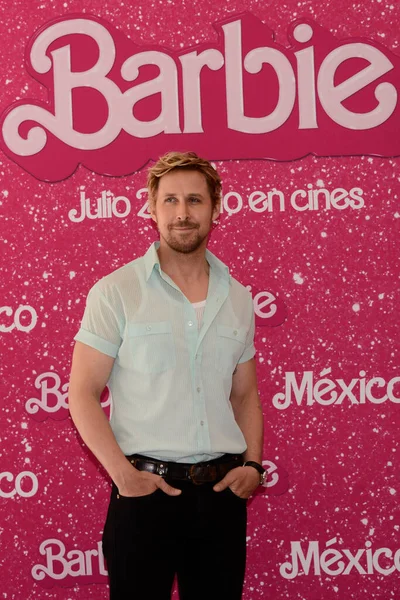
199 535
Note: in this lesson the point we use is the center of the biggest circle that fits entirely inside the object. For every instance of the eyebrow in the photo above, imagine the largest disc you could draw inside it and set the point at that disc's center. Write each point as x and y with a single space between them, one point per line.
190 194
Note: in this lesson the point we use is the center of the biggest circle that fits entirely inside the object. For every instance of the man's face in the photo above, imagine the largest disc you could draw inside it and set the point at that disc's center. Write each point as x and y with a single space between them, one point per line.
183 210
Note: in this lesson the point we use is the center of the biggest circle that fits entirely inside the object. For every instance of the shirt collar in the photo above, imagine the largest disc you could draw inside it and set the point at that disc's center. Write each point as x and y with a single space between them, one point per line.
151 262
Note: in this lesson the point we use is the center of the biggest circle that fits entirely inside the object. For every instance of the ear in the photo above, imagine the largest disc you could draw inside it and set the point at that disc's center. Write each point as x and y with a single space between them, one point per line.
216 211
152 211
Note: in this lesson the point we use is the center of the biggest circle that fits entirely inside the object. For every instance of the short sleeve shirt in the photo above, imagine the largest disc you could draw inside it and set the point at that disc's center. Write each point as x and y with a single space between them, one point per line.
171 381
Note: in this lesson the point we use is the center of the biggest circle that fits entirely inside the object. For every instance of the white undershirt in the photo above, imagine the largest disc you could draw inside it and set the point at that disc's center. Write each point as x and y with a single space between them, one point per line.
199 308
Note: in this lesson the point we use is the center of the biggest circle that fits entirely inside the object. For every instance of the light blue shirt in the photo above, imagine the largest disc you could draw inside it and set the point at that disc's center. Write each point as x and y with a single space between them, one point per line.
171 381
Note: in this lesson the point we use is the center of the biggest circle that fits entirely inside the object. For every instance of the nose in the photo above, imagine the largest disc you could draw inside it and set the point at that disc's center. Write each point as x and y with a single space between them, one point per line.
181 211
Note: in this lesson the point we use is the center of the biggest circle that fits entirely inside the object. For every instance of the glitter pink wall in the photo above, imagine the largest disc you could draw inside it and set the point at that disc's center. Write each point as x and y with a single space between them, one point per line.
325 283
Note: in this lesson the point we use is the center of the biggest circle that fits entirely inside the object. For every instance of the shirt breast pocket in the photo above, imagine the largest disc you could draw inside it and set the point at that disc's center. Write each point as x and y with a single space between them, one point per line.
230 345
152 347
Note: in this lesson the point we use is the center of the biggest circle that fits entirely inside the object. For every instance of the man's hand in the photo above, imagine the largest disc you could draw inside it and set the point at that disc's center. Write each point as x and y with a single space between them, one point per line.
140 483
242 481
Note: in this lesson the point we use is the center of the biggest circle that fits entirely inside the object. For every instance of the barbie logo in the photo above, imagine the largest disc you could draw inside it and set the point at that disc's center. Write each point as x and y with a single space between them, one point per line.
67 566
269 308
242 97
53 398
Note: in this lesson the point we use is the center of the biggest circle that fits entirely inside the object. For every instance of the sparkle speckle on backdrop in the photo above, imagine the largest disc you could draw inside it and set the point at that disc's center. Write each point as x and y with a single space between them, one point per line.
337 271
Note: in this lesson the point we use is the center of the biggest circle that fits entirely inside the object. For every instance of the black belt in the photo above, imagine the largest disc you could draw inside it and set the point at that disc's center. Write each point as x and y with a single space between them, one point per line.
198 473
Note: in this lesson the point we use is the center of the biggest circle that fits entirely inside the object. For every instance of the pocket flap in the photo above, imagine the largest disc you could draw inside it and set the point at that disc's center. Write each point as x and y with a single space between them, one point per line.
136 329
232 333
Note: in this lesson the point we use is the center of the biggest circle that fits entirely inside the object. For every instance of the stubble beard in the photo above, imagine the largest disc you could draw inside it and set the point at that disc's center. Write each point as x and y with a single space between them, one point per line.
185 243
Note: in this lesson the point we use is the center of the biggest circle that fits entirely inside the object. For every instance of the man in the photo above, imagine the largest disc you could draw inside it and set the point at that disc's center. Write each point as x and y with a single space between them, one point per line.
172 335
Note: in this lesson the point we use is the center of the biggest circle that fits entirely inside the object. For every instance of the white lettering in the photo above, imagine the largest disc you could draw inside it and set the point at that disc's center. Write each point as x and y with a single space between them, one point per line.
347 393
105 208
390 393
125 211
271 469
76 563
18 485
332 96
330 556
20 323
396 560
263 300
282 401
375 561
53 395
293 200
258 204
337 196
102 568
368 553
225 203
306 88
306 83
354 561
253 63
325 391
46 548
322 387
357 201
65 81
257 198
380 382
192 64
290 570
144 211
59 564
51 398
165 84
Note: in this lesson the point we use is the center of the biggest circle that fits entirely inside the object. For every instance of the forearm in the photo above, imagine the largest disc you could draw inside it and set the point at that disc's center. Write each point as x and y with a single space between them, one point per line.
94 428
249 417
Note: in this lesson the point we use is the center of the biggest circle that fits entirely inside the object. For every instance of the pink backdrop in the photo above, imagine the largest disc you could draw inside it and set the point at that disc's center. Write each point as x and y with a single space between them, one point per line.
325 282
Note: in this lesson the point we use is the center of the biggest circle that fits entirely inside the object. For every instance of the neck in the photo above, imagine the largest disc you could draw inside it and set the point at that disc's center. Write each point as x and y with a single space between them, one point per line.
186 267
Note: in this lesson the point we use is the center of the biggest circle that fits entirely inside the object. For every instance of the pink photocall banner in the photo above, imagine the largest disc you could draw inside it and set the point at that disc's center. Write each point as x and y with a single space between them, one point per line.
298 107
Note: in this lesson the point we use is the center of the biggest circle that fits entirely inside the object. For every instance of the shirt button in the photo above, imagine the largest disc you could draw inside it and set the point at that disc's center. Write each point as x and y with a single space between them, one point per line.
201 422
190 323
235 332
148 327
199 389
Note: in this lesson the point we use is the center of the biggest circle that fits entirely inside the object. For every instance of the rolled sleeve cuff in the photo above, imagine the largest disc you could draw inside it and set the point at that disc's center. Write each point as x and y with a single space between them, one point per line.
90 339
248 354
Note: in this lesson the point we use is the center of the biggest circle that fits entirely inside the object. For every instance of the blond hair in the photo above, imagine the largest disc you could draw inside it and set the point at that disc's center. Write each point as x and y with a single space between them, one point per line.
184 160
